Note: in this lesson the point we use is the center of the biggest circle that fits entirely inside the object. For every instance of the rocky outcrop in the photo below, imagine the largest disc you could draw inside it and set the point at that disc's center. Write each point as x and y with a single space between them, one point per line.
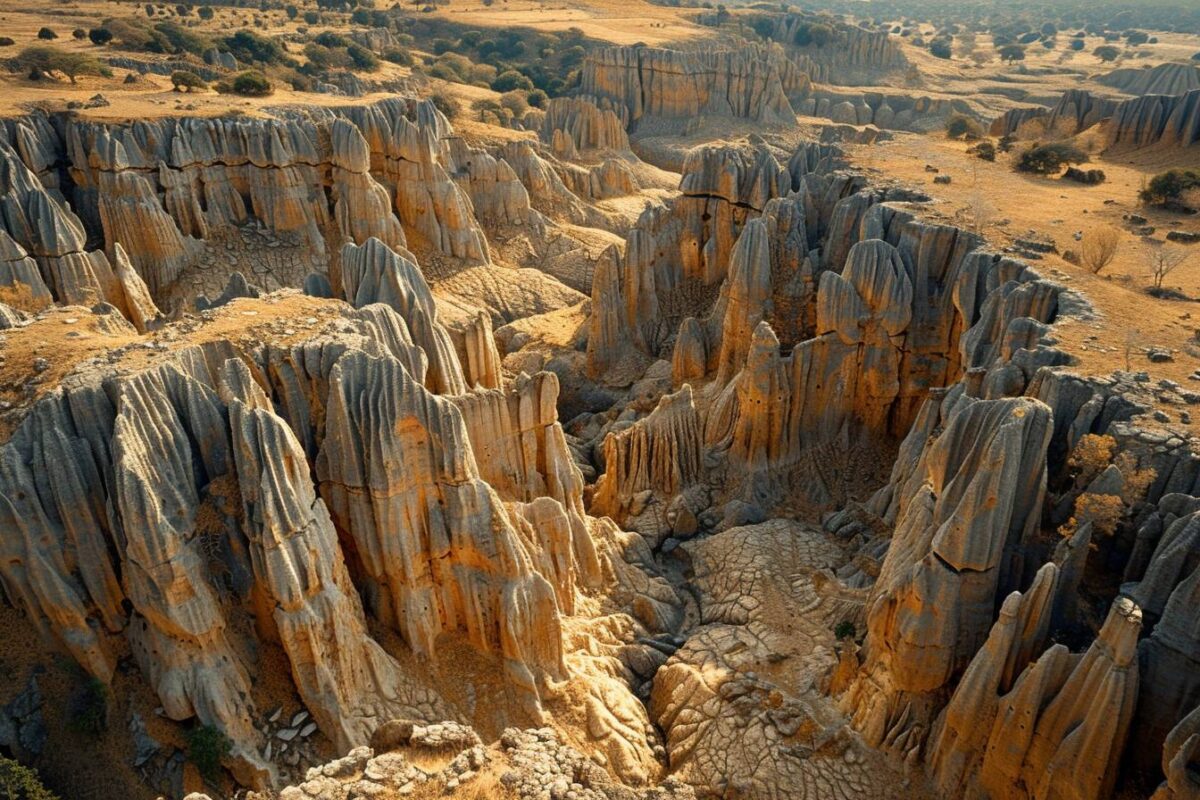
1169 121
960 522
1171 78
572 126
854 56
653 82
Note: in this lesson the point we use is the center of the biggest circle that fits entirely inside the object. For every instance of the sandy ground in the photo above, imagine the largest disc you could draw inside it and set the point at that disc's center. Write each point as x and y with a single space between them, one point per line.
616 21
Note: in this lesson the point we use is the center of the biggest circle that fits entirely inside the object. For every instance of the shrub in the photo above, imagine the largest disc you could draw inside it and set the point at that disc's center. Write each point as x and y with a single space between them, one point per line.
247 47
87 707
21 783
1091 455
206 746
6 41
291 11
1012 53
515 102
844 630
252 84
941 48
45 59
984 150
398 55
46 34
1106 53
447 104
537 98
511 79
1077 44
1049 159
312 17
363 58
206 12
185 81
1104 511
1167 188
100 36
79 34
1098 248
960 125
182 40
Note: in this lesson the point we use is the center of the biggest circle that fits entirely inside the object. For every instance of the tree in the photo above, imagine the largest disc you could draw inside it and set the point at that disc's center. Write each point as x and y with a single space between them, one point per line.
45 34
1162 261
291 11
1077 44
79 34
940 48
1012 53
1167 188
6 41
363 58
1106 53
185 81
511 79
446 103
100 36
45 59
515 102
1048 159
206 746
1099 247
206 12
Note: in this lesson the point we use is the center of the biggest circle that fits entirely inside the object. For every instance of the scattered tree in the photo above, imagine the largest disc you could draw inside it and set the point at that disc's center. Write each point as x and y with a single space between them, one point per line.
1162 261
21 783
79 34
250 83
1168 188
960 125
43 59
6 41
206 12
206 746
291 11
45 34
1077 44
446 103
1099 247
1049 159
940 48
1106 53
100 36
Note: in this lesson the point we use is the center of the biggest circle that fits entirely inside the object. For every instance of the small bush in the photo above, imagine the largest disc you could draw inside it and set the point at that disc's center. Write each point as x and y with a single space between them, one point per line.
1106 53
398 55
959 126
511 79
984 150
844 630
537 98
6 41
43 59
291 11
46 34
100 36
312 17
185 81
1012 53
21 783
363 58
447 104
1049 159
87 707
206 12
206 746
941 48
252 84
79 34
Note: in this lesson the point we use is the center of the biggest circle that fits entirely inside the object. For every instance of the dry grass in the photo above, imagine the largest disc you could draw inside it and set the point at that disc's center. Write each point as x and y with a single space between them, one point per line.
485 785
1099 248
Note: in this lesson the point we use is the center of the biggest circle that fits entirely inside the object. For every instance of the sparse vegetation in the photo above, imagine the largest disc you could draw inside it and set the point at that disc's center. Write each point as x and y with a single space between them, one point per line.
100 36
46 34
447 104
87 707
961 126
844 630
1106 53
1161 260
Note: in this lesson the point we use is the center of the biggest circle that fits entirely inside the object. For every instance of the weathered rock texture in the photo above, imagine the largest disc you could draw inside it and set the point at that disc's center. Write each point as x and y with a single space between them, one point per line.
1167 120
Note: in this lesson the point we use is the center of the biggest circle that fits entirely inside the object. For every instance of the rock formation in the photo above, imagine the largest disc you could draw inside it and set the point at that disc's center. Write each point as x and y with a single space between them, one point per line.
1167 120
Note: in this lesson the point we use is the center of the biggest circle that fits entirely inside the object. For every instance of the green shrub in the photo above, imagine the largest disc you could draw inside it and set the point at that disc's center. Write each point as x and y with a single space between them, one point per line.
21 783
312 17
1012 53
182 40
537 98
1106 53
510 79
185 81
248 47
79 34
398 55
206 746
291 11
46 34
206 12
1167 188
844 630
1049 159
940 48
252 84
984 150
100 36
363 58
87 707
6 41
